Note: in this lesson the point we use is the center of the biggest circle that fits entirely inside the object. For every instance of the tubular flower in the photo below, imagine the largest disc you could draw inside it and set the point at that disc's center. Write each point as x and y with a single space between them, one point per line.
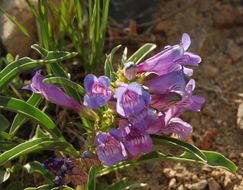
188 101
52 93
171 58
165 123
98 92
136 139
171 82
109 148
131 99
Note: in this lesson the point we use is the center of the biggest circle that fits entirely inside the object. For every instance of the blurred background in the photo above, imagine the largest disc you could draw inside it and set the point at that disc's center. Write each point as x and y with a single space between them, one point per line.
216 29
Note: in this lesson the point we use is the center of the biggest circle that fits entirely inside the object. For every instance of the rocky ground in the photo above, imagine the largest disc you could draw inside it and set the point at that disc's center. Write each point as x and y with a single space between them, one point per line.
216 28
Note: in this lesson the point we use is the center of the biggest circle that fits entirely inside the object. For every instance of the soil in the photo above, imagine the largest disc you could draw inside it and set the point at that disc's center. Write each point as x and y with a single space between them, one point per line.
216 29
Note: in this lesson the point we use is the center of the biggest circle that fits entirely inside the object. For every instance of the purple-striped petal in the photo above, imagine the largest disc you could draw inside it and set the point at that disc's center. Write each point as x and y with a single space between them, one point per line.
162 62
178 127
163 101
98 92
109 150
136 140
131 99
104 80
89 80
174 81
155 125
189 59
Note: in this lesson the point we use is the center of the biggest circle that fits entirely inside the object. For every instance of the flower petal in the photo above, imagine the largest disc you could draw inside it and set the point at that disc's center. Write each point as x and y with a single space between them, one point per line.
109 150
178 127
88 82
104 80
136 140
174 81
185 41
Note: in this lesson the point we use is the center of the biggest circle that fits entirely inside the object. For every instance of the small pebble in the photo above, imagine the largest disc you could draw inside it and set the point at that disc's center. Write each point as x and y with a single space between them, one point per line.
172 183
201 185
213 184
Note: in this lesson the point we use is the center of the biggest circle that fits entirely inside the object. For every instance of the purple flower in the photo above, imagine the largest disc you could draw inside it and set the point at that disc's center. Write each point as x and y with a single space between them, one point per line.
171 82
131 99
109 148
171 58
167 124
52 93
130 70
98 92
164 101
188 101
136 140
57 166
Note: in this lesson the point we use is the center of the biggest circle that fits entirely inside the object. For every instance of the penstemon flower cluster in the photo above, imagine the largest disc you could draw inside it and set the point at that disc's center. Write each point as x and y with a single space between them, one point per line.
146 98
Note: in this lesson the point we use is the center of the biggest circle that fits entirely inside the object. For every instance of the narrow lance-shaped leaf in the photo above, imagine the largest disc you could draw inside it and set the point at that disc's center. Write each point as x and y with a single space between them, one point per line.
214 160
8 141
37 167
37 144
57 70
23 64
142 52
179 144
4 123
108 68
20 119
19 106
91 180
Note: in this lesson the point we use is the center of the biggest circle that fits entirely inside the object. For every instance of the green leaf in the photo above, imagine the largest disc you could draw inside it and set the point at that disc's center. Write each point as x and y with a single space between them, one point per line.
35 166
4 175
19 119
19 106
142 52
37 144
57 69
8 141
91 180
108 68
25 63
49 187
124 57
65 82
214 160
4 123
43 187
14 20
179 144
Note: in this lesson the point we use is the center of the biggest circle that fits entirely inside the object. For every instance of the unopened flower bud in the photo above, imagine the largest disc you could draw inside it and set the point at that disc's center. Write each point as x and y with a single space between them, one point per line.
130 70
